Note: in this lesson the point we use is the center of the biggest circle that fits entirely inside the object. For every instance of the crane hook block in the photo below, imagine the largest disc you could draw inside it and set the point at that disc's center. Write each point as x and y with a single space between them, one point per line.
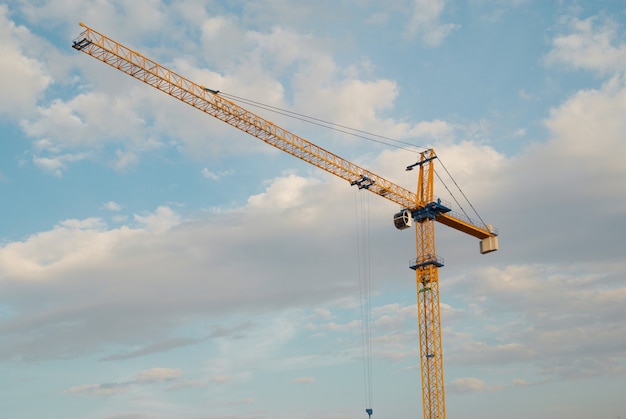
403 219
369 412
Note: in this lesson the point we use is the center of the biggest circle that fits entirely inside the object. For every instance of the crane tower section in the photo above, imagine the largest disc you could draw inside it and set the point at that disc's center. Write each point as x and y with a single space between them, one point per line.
426 268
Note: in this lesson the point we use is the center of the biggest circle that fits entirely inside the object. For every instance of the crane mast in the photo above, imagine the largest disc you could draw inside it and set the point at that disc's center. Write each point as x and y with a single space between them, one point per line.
420 207
427 282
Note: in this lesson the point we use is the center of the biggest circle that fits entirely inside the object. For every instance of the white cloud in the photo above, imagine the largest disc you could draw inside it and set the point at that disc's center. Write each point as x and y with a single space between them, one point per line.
358 101
128 19
160 221
57 163
274 252
222 379
347 97
85 125
112 206
520 382
187 384
563 321
589 124
64 246
89 119
86 224
125 159
23 78
131 268
378 18
215 176
467 385
353 326
323 313
157 375
592 44
436 130
215 28
120 119
151 376
282 193
108 389
425 22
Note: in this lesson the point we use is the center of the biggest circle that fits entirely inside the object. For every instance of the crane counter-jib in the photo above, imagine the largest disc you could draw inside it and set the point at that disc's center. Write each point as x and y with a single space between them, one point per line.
209 101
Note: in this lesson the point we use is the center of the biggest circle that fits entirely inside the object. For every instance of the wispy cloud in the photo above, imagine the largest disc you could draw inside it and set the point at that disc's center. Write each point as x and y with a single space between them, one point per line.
156 347
112 206
426 22
471 385
303 380
216 176
592 44
58 163
151 376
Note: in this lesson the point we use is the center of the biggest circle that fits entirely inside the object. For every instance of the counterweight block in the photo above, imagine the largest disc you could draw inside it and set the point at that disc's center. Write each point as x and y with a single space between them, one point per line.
403 219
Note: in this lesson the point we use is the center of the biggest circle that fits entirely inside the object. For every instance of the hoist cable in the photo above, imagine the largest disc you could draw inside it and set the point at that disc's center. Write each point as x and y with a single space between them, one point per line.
462 193
365 293
363 232
451 194
327 124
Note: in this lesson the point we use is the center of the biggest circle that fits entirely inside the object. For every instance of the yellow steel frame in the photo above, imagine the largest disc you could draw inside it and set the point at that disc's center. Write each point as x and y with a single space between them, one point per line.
209 101
428 311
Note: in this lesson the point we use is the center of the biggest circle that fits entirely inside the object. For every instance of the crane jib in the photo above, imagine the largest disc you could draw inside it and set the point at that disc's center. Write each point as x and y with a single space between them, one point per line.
209 101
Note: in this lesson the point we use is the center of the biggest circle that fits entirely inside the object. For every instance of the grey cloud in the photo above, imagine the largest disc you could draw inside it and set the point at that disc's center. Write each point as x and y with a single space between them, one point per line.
566 325
146 283
155 347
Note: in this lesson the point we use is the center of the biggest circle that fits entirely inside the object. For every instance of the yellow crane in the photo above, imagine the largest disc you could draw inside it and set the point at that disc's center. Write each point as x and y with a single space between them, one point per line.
420 207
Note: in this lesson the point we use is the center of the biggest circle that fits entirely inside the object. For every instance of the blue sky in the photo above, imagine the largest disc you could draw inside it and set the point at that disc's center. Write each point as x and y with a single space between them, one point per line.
156 263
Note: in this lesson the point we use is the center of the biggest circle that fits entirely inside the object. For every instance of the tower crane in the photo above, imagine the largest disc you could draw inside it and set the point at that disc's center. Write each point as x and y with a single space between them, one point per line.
419 209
